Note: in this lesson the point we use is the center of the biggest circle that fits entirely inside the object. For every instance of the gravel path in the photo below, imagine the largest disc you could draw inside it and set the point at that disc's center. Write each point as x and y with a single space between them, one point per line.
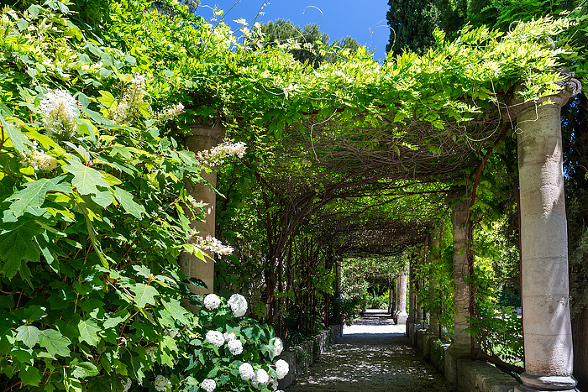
373 355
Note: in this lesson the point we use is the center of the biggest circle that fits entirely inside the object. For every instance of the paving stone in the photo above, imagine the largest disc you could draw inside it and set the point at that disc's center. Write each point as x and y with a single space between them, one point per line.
373 355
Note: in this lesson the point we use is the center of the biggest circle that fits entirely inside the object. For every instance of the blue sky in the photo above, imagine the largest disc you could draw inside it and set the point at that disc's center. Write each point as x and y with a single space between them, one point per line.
363 20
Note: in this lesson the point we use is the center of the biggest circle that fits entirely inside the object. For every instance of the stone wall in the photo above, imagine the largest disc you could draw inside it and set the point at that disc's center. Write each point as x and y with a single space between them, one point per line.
300 357
475 375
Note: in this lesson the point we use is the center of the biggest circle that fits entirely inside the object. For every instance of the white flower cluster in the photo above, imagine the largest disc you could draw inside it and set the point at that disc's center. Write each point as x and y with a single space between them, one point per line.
130 105
58 112
215 337
235 346
261 377
218 154
282 368
238 305
277 345
211 244
246 372
229 336
161 383
42 161
212 301
208 384
169 112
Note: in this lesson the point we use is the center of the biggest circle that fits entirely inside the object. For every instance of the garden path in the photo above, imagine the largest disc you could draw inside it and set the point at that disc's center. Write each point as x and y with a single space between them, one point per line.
373 355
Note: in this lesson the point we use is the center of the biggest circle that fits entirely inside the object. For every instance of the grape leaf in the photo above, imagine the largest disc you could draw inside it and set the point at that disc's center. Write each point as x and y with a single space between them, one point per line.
144 294
34 192
17 138
28 334
54 342
177 311
85 179
30 376
127 202
84 370
18 244
89 332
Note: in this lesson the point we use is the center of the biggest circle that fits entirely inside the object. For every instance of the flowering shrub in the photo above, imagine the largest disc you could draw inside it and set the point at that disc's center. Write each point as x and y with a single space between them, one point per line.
94 217
237 353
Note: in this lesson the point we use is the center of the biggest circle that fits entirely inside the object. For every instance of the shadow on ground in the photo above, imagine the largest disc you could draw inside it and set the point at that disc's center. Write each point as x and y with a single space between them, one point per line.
372 355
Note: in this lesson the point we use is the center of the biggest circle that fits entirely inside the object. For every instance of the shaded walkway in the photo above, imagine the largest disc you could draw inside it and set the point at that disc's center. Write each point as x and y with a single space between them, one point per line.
373 355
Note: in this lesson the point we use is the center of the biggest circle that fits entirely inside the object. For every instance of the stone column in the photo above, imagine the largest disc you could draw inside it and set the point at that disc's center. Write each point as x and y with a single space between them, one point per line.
400 315
434 311
203 137
544 251
461 345
411 302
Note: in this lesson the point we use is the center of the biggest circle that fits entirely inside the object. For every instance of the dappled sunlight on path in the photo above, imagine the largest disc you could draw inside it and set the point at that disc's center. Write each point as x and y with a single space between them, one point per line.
373 355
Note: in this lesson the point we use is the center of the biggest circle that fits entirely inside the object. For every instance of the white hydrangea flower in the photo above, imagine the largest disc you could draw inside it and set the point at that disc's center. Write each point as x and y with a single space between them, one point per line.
229 336
235 346
215 337
218 154
212 301
277 345
161 383
208 384
261 377
282 368
246 372
58 111
238 305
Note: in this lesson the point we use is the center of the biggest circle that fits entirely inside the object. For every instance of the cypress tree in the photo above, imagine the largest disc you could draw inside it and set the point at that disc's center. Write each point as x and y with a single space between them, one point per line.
412 23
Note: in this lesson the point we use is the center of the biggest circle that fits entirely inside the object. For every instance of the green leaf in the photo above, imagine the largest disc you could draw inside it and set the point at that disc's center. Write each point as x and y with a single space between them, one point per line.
54 342
34 192
112 322
106 99
18 244
28 334
34 10
144 294
30 376
177 311
89 332
16 136
84 370
86 179
127 202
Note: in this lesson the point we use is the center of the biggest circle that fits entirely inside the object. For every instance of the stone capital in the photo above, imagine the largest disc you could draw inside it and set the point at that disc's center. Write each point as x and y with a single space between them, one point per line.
208 128
570 88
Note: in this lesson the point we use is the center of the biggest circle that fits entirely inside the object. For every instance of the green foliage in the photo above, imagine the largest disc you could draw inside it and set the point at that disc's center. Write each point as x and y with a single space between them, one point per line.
94 216
374 301
499 331
353 294
412 24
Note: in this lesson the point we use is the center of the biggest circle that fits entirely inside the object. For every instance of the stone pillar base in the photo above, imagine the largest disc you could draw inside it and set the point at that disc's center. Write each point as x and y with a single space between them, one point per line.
400 317
409 328
532 383
453 353
522 388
